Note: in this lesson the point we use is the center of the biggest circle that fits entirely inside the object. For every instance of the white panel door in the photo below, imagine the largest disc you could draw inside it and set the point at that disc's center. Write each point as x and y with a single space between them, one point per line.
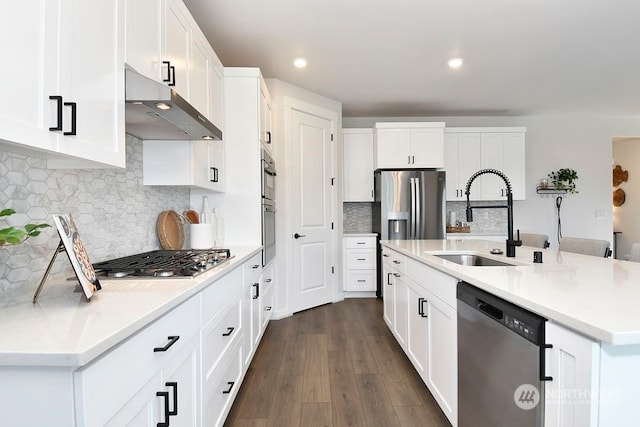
312 169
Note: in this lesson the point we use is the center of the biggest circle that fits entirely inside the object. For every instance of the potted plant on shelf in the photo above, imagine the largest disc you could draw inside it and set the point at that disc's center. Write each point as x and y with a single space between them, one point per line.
564 179
16 235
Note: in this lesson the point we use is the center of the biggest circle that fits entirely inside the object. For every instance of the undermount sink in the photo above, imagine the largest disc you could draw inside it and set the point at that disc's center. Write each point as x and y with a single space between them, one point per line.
473 260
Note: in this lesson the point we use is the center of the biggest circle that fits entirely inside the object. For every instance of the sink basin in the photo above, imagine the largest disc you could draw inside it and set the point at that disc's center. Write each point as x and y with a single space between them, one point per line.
473 260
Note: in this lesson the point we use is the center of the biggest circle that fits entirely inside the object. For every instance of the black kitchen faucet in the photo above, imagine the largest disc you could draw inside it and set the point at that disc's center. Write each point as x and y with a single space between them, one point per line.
511 243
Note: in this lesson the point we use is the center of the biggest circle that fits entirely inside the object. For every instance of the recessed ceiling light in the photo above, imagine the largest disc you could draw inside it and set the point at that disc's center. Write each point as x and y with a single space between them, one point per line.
455 62
300 62
163 106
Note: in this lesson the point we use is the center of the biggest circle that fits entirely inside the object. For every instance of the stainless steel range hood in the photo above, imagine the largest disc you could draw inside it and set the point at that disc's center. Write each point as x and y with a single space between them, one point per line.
155 111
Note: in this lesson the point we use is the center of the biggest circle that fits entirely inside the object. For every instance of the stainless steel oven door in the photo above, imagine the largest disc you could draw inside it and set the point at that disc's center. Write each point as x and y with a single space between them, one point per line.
268 176
268 231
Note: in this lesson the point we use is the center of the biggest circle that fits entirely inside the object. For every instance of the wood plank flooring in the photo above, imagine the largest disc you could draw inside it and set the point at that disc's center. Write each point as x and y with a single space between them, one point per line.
334 365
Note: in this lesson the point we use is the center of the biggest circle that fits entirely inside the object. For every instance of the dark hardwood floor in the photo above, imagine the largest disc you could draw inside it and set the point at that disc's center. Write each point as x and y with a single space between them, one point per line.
334 365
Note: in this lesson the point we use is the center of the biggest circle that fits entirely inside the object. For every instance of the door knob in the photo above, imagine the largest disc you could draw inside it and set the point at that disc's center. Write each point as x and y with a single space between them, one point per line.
297 236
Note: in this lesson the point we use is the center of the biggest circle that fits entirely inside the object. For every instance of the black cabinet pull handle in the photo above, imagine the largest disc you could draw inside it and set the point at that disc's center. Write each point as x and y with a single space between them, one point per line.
165 396
268 137
389 278
229 331
254 266
174 386
361 259
268 308
231 384
385 255
172 74
73 106
168 64
421 312
267 280
543 368
395 261
58 100
215 174
172 341
257 294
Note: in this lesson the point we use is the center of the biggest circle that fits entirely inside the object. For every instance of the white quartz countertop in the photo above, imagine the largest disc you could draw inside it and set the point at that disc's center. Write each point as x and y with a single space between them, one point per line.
355 234
63 329
598 297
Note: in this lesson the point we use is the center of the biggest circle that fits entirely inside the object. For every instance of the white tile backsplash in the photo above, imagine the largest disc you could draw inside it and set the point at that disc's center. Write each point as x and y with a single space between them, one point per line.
115 214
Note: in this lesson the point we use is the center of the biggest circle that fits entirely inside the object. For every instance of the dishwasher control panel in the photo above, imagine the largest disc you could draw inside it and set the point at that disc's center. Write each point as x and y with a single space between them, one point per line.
520 327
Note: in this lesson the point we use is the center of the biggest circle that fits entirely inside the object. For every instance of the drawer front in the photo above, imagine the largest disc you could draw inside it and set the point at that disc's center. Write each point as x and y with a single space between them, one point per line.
360 242
121 372
394 260
252 269
360 260
219 334
222 388
360 281
266 307
439 284
219 293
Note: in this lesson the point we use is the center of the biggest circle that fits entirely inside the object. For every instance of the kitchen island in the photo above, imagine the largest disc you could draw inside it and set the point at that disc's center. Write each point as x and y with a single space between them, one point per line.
120 358
587 300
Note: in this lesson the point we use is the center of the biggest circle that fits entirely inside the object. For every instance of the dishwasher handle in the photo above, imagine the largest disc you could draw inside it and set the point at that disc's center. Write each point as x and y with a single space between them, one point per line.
490 310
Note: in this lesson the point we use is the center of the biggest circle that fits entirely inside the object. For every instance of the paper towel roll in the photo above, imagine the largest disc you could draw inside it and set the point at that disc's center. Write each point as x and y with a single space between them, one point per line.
452 219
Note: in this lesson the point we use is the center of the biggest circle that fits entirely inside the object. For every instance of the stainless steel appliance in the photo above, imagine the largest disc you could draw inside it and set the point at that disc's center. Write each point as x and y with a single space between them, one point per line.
155 111
501 369
162 263
268 208
409 204
268 176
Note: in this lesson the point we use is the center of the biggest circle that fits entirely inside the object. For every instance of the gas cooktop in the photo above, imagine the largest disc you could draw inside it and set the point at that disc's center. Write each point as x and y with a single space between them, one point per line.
163 263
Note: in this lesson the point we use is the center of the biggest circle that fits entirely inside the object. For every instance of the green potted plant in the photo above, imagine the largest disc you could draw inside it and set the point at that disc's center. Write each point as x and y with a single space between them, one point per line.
16 235
564 179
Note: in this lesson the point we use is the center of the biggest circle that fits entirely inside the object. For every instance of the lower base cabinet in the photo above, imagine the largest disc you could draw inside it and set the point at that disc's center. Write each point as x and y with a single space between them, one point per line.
573 362
431 342
184 369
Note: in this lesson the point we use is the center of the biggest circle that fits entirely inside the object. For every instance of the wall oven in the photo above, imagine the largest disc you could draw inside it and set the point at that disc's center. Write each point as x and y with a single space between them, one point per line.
268 176
268 208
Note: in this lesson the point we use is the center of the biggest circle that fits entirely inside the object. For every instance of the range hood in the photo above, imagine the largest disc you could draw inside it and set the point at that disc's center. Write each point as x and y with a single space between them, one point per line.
155 111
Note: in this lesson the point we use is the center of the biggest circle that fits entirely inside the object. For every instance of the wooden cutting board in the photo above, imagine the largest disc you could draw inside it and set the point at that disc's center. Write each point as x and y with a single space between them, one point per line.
170 230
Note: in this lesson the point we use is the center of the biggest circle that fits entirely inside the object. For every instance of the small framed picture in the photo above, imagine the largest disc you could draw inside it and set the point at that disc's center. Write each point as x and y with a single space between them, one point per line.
77 254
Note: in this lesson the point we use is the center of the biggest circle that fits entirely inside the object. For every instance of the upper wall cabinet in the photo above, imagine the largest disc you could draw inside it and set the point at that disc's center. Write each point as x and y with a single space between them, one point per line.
65 86
357 164
468 150
409 145
265 117
164 42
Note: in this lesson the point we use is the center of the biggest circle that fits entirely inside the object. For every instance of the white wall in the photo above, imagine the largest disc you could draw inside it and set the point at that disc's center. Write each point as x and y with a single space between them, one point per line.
626 153
281 91
553 142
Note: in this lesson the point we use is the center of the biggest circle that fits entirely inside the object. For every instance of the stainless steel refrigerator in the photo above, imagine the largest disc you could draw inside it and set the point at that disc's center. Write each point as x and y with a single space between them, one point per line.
408 205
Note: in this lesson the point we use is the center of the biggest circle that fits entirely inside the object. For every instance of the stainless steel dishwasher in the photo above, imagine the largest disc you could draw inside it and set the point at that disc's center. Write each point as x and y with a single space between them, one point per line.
500 362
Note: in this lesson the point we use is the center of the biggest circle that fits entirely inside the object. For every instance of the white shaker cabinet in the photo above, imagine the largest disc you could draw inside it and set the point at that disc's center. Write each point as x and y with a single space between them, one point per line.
409 145
504 151
468 150
420 309
251 307
65 85
573 363
193 164
357 164
394 291
266 119
164 43
359 263
461 160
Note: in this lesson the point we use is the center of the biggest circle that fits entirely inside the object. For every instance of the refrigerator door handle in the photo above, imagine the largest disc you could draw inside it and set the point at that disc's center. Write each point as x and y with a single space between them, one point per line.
412 216
418 219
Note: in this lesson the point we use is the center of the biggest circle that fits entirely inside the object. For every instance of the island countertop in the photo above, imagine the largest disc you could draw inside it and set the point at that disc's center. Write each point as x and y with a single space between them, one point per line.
598 297
63 329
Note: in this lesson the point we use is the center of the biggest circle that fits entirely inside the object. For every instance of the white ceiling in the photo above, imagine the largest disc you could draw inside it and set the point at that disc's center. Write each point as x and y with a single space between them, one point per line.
388 57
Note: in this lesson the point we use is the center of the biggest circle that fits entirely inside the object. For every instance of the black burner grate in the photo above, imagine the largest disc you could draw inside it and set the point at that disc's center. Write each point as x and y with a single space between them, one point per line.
163 263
